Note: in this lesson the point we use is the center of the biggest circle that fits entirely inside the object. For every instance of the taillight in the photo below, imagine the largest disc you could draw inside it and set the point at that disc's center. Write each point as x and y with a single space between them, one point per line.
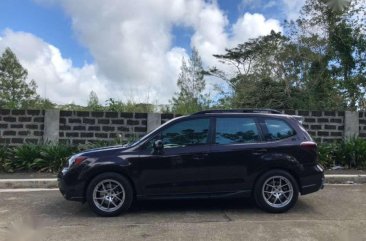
308 146
78 160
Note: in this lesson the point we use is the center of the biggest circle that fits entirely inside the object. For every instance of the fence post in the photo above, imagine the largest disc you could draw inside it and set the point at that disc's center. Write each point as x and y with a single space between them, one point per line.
51 126
351 124
153 121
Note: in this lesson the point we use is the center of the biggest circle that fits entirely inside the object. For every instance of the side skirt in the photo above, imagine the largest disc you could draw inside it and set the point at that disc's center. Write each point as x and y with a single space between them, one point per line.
242 193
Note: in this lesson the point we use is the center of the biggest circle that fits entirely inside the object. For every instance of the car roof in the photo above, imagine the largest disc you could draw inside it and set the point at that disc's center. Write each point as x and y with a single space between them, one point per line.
247 112
241 114
240 111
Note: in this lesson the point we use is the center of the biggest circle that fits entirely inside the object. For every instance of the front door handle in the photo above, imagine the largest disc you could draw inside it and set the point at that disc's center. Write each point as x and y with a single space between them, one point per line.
259 152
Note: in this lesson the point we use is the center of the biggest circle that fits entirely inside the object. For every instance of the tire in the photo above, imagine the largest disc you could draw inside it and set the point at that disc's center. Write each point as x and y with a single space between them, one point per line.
276 191
109 194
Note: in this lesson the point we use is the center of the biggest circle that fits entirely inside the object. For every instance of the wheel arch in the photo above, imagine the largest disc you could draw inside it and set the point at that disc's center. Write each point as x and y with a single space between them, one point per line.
292 172
104 169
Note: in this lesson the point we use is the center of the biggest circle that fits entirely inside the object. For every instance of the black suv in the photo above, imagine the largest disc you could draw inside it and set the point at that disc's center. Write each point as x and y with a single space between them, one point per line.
258 153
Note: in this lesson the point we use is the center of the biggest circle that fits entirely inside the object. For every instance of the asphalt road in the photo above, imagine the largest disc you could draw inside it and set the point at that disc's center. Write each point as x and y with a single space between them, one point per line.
335 213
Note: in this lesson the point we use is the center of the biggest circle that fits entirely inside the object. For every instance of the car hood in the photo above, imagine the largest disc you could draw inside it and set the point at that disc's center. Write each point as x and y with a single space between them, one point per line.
104 149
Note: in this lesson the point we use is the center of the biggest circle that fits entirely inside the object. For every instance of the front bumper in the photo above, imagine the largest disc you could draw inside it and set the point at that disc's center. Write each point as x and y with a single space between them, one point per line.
313 180
70 187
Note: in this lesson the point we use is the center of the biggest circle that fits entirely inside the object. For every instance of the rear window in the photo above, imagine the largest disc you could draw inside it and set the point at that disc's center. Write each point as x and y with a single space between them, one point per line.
236 130
278 129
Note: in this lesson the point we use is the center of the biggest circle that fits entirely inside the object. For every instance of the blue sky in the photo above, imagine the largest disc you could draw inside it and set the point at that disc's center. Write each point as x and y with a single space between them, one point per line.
99 44
48 22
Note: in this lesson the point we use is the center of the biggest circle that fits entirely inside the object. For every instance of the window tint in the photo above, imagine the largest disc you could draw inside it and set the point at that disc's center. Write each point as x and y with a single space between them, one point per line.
278 129
185 133
236 130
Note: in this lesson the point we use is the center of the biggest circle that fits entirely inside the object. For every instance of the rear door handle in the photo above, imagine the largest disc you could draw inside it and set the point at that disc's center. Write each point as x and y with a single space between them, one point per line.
259 152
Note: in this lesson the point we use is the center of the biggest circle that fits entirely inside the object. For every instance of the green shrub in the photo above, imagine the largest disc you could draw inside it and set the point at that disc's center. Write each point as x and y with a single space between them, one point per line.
4 157
22 157
42 157
352 153
32 157
327 154
52 157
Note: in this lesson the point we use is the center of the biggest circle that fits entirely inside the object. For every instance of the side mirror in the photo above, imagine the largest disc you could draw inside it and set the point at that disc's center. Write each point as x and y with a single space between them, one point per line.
158 146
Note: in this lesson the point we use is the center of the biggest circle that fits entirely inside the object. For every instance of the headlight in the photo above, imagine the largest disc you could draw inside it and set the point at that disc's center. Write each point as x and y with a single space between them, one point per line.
76 160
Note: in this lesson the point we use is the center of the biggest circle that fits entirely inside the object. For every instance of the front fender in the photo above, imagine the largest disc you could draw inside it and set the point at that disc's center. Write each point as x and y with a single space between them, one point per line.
114 164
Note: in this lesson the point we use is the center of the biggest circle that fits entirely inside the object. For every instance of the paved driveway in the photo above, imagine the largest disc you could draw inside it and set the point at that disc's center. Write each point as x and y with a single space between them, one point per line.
335 213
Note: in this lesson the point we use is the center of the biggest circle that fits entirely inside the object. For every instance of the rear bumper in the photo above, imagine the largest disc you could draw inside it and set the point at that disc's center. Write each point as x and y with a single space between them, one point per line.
313 181
70 188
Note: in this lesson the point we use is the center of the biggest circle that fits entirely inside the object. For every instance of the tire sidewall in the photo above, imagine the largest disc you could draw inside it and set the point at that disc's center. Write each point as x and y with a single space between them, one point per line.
114 176
258 196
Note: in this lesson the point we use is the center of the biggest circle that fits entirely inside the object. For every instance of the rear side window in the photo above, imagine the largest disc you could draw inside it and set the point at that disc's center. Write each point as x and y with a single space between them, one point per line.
278 129
236 130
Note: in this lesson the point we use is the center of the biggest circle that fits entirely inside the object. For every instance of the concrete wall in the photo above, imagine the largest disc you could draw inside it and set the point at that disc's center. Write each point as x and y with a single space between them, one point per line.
79 127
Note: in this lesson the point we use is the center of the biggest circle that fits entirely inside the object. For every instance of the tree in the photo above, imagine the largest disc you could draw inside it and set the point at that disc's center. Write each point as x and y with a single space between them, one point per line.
340 39
93 102
129 106
39 103
318 63
191 84
15 92
261 76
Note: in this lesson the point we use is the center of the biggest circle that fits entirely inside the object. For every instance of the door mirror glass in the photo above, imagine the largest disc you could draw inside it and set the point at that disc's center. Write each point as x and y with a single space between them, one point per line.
158 145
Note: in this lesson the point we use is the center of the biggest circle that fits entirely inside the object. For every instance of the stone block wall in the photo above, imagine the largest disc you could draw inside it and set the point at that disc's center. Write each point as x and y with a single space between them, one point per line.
323 126
362 124
167 117
20 126
79 127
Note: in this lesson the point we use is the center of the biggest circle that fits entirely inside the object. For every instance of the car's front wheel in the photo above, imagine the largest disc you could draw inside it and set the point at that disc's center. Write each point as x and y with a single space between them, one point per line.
276 191
109 194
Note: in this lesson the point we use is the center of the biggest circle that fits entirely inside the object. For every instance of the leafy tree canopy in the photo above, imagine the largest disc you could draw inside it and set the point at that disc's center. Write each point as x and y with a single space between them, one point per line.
15 91
318 63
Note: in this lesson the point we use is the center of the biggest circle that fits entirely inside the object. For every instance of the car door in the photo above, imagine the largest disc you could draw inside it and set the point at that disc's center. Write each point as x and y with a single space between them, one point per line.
181 167
236 150
283 145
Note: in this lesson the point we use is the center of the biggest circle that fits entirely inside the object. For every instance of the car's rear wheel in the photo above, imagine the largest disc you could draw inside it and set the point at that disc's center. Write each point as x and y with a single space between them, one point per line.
276 191
109 194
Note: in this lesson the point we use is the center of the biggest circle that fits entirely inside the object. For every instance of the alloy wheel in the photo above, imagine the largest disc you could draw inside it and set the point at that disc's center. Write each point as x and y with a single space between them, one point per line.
277 191
109 195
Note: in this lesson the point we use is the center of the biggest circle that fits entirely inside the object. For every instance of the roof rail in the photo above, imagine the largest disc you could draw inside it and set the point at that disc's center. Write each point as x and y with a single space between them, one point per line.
248 110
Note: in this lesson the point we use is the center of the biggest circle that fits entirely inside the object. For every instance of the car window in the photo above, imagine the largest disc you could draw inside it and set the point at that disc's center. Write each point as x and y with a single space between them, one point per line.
277 130
236 130
186 133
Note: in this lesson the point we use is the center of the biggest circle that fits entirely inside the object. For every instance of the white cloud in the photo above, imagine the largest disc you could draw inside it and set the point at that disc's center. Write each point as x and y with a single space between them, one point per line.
56 78
131 43
252 26
292 8
210 36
